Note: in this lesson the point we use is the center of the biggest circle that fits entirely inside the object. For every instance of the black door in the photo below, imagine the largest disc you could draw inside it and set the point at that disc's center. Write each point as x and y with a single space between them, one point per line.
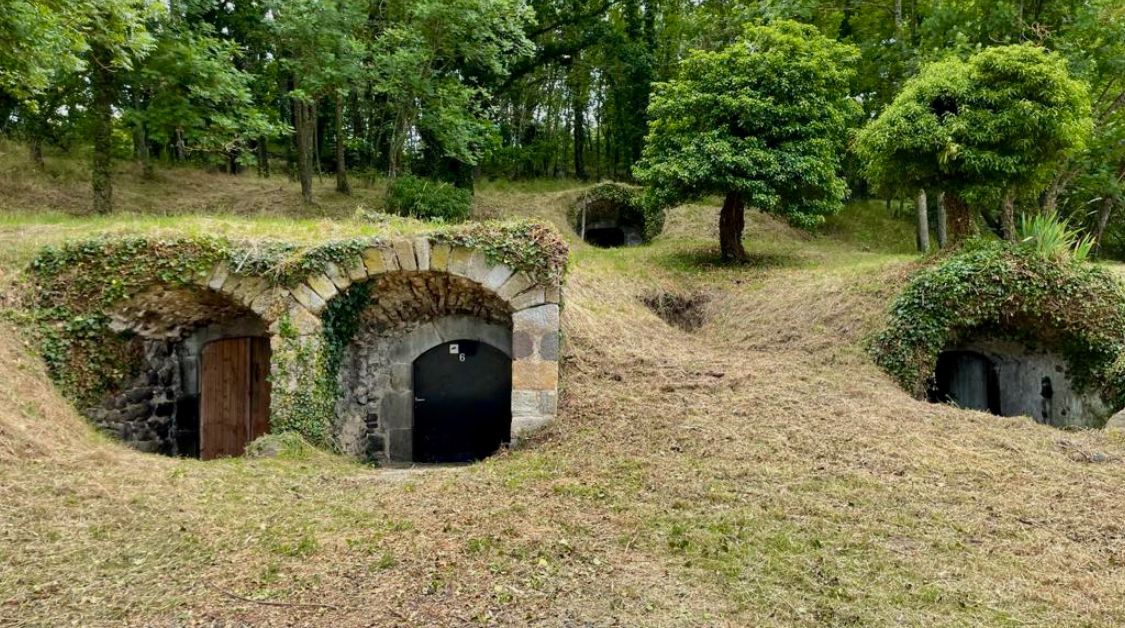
968 379
462 402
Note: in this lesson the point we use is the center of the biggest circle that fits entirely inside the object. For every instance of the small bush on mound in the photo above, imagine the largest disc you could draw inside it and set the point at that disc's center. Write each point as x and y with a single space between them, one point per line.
431 200
1012 292
620 202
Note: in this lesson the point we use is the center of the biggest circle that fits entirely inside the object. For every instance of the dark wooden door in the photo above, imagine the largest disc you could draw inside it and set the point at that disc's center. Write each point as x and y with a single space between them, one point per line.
234 395
462 402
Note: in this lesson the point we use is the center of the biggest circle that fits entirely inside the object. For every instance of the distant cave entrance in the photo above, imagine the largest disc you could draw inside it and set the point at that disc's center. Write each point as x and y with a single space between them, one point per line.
462 402
611 234
968 379
606 237
608 216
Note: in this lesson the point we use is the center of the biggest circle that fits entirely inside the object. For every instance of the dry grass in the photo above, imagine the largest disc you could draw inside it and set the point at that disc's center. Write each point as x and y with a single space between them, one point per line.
757 472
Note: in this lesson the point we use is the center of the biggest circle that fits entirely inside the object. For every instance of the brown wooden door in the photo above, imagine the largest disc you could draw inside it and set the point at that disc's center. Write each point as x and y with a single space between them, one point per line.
234 405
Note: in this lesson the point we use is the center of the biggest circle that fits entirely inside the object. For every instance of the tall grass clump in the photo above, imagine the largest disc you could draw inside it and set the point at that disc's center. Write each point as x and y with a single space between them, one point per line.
1051 237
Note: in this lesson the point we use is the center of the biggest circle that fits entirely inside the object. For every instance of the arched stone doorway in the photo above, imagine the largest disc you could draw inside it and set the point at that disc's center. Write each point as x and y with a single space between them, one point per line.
462 401
202 388
409 319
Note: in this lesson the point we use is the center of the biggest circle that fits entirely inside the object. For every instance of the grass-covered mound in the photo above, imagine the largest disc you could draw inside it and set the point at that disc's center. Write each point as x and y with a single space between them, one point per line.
74 287
1073 307
620 203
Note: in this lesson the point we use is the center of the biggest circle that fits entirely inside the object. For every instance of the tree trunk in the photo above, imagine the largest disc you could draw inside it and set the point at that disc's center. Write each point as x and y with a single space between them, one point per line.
341 165
1051 196
101 84
305 129
1103 219
263 157
923 223
579 139
35 150
732 220
1008 215
942 221
140 141
959 217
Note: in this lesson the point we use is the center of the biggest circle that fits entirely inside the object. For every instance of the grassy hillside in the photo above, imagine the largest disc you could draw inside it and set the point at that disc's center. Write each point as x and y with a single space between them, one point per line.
758 471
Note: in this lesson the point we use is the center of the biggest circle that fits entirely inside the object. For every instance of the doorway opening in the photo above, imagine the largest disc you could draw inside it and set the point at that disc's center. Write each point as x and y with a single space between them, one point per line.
968 379
606 237
233 404
462 402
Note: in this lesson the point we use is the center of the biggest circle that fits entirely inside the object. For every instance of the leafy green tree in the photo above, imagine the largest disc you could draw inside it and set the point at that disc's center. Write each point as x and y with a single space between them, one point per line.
762 122
318 45
984 131
40 40
433 63
190 93
118 38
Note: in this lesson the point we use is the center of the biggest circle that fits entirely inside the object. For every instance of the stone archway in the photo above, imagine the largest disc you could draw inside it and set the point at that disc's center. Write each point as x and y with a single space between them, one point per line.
190 396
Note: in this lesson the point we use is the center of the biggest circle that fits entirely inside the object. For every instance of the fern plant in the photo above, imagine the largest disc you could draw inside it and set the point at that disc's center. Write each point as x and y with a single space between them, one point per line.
1052 237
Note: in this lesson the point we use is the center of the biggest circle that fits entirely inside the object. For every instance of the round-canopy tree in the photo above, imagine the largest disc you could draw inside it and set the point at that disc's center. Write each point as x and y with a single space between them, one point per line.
761 122
982 131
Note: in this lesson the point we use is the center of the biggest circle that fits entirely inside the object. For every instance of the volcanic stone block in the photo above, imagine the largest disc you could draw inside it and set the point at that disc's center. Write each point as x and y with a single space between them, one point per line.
397 411
540 320
307 297
531 298
356 269
218 276
535 375
422 253
404 251
515 284
337 276
496 277
373 261
523 345
549 346
439 257
323 286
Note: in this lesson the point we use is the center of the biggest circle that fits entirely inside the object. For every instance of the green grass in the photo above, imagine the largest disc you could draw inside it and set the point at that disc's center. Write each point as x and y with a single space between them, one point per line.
758 472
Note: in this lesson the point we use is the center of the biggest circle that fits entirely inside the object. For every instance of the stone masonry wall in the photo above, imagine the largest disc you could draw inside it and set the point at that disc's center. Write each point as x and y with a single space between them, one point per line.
422 291
142 413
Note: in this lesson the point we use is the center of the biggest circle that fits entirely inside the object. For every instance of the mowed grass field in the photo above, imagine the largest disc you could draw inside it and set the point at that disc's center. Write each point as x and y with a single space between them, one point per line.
757 471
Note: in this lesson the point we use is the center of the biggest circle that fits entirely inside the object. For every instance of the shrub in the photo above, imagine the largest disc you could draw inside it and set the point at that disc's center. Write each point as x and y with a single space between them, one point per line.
1013 292
432 200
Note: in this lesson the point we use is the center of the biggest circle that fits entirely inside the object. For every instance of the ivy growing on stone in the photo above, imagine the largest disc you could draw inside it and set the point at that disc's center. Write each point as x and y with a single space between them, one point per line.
74 288
1004 291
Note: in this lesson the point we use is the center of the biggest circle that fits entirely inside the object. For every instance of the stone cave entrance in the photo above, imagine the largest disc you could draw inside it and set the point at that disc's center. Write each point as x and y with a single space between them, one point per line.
1008 378
202 389
967 379
462 402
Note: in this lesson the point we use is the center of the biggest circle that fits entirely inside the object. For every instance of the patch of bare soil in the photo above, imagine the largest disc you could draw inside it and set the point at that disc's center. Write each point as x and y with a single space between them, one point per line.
686 311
